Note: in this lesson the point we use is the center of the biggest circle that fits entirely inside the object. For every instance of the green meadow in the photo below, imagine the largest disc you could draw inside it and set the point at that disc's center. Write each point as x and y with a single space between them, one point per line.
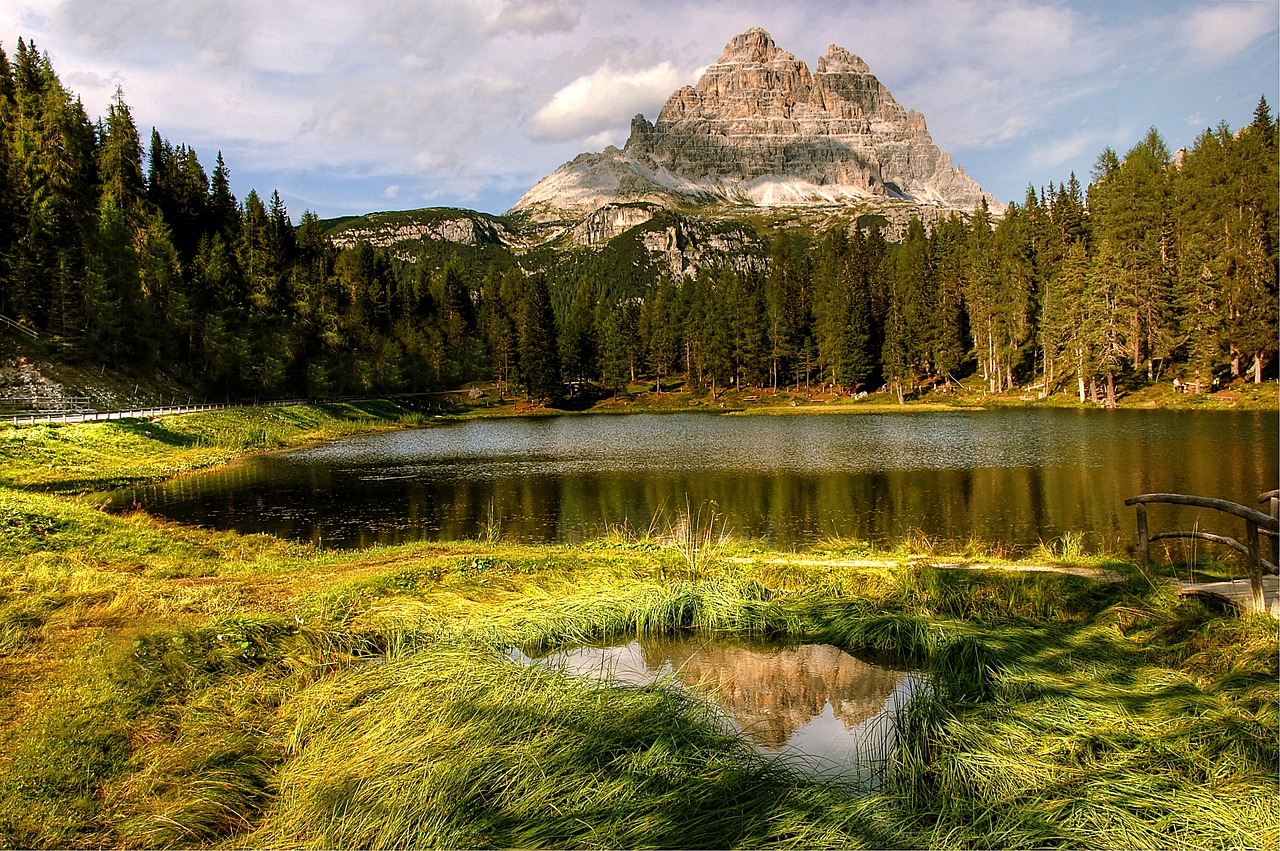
168 686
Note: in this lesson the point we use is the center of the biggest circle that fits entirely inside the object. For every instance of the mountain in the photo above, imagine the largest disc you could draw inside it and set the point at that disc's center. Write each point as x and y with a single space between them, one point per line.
758 144
759 130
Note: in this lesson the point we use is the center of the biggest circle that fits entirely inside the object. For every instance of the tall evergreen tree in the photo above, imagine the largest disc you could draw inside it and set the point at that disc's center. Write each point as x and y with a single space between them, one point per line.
539 365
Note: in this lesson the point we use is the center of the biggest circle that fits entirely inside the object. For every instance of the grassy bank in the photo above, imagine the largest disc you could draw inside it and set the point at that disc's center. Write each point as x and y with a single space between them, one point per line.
96 456
167 686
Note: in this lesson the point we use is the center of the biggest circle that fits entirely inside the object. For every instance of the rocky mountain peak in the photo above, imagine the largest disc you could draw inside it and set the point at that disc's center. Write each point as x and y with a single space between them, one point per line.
754 45
759 128
838 60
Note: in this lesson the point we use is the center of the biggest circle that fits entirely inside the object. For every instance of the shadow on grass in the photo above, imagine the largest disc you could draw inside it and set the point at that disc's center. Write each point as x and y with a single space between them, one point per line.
474 752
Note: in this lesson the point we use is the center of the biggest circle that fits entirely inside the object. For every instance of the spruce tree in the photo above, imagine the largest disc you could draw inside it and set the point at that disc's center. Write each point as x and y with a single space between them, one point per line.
579 358
539 367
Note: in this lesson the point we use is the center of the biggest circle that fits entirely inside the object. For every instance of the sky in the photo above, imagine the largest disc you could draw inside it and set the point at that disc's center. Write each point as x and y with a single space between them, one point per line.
354 106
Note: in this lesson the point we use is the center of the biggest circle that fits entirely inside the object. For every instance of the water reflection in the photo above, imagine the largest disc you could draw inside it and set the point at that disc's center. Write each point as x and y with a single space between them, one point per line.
1018 477
825 712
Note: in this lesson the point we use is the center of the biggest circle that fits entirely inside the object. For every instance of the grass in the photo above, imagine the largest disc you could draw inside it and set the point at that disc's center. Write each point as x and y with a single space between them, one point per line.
163 686
97 456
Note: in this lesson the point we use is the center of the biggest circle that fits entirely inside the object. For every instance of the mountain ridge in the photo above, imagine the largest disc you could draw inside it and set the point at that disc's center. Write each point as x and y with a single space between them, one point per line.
759 130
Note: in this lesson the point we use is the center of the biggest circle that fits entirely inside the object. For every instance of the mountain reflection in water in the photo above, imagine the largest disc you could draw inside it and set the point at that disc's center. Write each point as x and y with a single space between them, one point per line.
828 713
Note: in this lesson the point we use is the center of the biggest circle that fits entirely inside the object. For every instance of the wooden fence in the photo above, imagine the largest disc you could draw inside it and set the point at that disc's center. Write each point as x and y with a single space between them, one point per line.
1257 524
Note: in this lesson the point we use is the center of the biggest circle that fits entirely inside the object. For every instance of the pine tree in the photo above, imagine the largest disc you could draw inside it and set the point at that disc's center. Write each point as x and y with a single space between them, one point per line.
744 309
788 306
120 163
951 348
223 214
539 367
1131 205
11 214
53 157
500 322
914 307
456 318
579 358
660 328
1197 292
895 355
1106 310
982 300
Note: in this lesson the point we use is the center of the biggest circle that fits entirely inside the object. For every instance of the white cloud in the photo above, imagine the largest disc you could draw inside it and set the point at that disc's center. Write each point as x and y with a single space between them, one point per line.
1223 31
535 17
1062 150
605 99
603 139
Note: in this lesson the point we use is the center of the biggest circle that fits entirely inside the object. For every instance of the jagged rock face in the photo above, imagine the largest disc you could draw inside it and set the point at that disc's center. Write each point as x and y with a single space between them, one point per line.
759 128
604 223
383 230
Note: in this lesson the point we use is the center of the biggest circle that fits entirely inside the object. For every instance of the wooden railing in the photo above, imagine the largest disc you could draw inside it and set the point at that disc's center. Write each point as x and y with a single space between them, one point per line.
1256 523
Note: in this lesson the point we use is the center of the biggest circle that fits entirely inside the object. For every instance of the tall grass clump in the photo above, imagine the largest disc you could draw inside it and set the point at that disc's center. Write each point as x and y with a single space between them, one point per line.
997 594
861 624
52 778
697 535
457 748
722 606
1098 732
207 767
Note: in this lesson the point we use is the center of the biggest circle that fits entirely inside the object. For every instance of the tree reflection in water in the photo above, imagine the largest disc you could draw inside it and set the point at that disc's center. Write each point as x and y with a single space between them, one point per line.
825 712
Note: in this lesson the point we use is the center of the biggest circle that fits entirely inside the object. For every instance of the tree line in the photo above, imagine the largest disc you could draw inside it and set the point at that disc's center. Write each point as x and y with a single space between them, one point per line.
1165 265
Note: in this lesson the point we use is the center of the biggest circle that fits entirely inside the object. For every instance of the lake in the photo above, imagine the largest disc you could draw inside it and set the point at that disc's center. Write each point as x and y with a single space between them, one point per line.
1014 476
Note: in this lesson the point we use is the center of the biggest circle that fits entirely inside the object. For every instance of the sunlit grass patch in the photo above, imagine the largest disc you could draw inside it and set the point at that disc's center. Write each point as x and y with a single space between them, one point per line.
170 686
79 457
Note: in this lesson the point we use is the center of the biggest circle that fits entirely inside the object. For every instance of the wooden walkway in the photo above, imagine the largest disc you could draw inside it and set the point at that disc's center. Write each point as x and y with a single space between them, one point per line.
1262 540
1236 592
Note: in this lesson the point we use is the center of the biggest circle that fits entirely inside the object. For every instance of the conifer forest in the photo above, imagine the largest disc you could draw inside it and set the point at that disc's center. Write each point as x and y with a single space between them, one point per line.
138 256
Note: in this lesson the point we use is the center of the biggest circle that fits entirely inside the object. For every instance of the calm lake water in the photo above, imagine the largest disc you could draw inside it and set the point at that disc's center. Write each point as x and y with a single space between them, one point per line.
1013 476
822 711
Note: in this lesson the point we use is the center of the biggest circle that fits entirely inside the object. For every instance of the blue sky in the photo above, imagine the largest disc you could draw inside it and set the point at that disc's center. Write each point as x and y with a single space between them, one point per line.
349 107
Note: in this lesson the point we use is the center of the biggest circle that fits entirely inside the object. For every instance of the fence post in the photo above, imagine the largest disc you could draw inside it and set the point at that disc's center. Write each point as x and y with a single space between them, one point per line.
1274 498
1255 567
1144 538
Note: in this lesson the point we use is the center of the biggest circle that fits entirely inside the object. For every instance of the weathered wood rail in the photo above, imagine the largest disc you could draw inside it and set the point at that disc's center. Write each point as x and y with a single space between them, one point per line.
1257 524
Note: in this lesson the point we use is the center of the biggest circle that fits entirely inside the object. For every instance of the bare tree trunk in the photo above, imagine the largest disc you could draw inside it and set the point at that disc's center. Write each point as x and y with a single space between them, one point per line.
1111 388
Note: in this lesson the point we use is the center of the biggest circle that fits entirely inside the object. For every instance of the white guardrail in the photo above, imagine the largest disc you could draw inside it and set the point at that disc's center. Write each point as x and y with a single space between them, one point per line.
139 413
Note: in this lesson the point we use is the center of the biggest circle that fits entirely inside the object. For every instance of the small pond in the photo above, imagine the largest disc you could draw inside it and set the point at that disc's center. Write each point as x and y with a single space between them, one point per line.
822 711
